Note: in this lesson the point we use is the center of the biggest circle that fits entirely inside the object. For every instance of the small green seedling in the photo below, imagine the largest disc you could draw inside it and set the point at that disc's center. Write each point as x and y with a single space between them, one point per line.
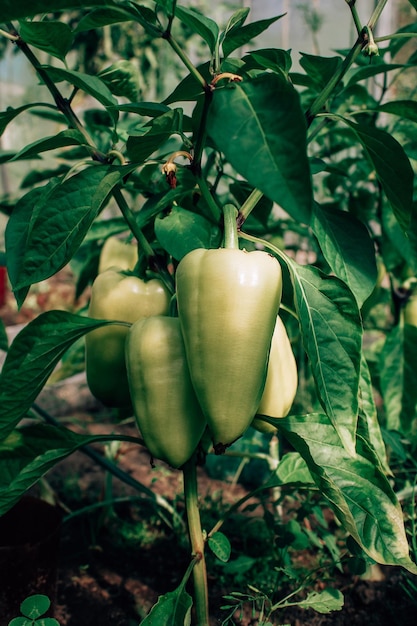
32 609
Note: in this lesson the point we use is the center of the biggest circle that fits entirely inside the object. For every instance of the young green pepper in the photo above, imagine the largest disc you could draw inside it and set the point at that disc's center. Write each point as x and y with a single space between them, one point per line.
281 380
166 409
228 301
118 296
117 253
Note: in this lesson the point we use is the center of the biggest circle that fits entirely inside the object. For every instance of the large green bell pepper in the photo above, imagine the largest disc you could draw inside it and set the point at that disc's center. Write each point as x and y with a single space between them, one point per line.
228 301
166 408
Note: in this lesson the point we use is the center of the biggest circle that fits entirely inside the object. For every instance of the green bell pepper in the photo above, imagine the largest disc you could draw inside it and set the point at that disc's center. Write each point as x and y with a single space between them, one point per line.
228 302
118 296
166 408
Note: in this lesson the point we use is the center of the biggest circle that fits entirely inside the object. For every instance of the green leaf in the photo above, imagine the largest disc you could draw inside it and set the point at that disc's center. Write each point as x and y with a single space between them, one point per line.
391 372
291 470
220 546
48 225
168 6
356 489
35 606
259 126
332 337
392 168
122 78
147 109
348 249
235 21
238 35
200 24
372 70
55 38
407 109
16 9
397 371
323 601
319 69
172 609
116 14
139 148
181 231
29 453
368 423
270 59
396 243
87 83
31 359
60 140
9 115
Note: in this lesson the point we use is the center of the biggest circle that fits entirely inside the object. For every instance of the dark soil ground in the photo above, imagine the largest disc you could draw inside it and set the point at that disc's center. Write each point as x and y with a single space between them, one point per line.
115 562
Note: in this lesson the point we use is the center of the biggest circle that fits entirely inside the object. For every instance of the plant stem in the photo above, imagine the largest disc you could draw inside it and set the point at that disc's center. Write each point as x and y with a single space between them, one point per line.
205 192
62 104
231 239
376 14
249 204
321 99
184 58
115 469
131 221
355 16
197 542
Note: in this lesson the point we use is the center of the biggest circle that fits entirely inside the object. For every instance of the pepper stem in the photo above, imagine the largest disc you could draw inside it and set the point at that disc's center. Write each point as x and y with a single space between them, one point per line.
197 543
230 238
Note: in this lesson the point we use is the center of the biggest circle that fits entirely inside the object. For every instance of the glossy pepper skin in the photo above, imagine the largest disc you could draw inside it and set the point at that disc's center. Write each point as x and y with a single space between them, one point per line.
228 301
118 296
166 408
117 253
281 380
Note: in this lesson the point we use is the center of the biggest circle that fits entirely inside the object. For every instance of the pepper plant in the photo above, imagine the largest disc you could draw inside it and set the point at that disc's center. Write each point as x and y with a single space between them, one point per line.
243 159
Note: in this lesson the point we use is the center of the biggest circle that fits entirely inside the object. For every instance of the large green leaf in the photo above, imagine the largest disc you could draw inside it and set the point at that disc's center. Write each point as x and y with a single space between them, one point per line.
397 370
348 249
60 140
319 69
48 225
199 23
181 231
372 70
259 126
355 488
92 85
237 35
55 38
407 109
16 9
368 422
392 168
28 453
31 358
9 115
120 13
332 337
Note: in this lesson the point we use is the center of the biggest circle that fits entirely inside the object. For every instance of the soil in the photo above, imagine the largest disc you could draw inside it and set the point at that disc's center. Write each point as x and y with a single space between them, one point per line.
114 562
